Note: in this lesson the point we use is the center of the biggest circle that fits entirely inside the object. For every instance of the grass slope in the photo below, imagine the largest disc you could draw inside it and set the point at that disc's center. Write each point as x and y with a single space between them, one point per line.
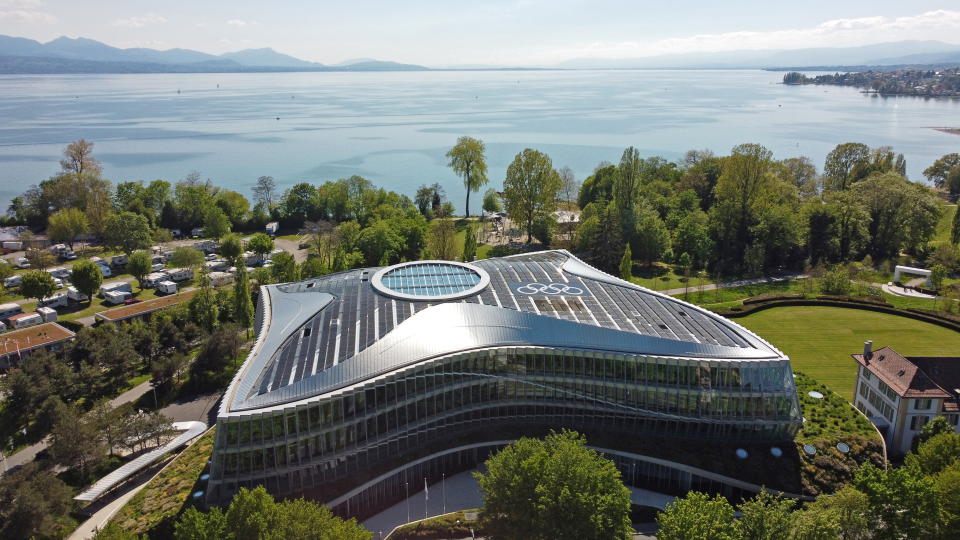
820 340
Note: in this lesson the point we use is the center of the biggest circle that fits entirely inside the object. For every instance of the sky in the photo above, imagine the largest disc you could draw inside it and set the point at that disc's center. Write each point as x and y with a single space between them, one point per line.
482 32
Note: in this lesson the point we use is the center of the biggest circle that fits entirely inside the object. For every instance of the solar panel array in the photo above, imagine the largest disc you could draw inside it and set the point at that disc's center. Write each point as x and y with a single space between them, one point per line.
360 315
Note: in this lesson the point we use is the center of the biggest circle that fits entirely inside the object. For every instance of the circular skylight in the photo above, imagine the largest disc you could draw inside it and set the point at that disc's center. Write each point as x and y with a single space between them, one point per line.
776 451
810 449
742 454
843 447
430 280
815 395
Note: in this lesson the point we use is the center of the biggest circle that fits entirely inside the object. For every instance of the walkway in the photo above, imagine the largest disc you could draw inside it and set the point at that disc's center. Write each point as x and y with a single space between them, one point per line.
740 283
903 291
191 430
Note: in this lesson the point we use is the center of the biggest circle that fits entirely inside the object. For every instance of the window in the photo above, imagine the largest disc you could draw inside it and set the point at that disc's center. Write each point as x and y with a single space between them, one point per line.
430 280
922 404
952 418
917 422
866 373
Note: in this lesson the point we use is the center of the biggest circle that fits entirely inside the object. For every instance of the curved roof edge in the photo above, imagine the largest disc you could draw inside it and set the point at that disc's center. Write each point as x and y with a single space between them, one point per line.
468 327
579 268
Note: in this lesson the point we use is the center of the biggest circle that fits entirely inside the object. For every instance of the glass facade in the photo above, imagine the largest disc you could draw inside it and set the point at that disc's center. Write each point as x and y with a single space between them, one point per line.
307 446
430 279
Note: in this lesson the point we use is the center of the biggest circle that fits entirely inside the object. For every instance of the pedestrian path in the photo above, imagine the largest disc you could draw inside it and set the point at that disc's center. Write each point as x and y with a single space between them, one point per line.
739 283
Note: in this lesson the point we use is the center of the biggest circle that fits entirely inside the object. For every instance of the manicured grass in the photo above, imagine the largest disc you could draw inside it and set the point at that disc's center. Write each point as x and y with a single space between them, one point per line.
168 493
945 224
819 340
660 278
729 296
78 310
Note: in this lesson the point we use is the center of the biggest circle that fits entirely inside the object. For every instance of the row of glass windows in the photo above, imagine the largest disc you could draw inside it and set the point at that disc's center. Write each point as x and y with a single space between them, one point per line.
357 441
874 399
470 389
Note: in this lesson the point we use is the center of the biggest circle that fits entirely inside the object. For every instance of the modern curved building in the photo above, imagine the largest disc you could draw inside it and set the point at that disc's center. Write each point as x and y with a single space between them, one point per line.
355 373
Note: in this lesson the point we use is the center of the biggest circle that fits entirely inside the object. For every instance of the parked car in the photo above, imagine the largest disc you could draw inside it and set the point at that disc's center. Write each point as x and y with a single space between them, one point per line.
22 262
68 255
129 301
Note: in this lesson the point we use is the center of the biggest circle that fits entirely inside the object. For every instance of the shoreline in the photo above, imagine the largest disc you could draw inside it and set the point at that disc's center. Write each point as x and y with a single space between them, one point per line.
952 131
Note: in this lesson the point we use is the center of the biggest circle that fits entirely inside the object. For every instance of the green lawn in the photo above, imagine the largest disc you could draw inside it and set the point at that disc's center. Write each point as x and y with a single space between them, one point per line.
819 340
78 310
945 224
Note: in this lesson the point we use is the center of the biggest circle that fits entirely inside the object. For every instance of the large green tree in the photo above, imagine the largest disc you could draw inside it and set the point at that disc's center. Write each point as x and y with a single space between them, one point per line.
231 247
697 517
86 277
261 244
841 164
254 514
740 193
215 223
37 284
66 225
128 231
468 161
530 189
139 264
186 257
555 488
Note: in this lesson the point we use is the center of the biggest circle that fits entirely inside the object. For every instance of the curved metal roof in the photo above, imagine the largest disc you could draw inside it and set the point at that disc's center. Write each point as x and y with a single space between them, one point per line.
324 334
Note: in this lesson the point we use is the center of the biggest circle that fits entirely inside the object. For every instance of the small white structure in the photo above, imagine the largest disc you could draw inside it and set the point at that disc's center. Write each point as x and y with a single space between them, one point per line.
912 271
76 295
206 246
119 260
180 274
251 259
23 262
24 320
55 300
13 281
9 310
218 279
57 249
47 314
272 228
58 282
13 245
150 280
115 286
59 272
196 232
166 287
116 296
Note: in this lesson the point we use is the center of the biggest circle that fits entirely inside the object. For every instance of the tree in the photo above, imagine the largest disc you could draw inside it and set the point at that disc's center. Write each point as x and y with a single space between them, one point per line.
938 273
801 173
264 192
139 264
491 201
740 192
128 232
693 237
37 284
284 267
530 188
313 267
215 222
255 514
626 265
841 164
234 205
903 215
955 230
937 448
553 488
469 244
441 239
939 172
74 442
34 504
468 161
651 238
86 277
243 309
203 306
895 494
39 259
186 257
261 244
765 517
79 160
569 188
697 517
231 247
626 188
66 225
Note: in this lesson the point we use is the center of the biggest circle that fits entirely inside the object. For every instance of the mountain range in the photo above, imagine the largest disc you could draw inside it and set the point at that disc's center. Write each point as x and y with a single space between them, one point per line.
82 55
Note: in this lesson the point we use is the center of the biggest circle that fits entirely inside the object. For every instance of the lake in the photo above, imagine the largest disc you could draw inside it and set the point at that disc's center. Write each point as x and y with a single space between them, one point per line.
394 128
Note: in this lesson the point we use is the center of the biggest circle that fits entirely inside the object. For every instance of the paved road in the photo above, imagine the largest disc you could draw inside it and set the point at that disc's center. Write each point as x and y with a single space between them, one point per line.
291 246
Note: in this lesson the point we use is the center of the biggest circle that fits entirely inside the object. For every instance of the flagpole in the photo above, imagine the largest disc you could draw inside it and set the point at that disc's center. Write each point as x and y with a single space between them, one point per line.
443 489
407 488
426 497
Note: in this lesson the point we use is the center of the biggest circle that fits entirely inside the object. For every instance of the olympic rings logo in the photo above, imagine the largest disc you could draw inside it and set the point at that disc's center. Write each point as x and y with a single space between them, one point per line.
554 289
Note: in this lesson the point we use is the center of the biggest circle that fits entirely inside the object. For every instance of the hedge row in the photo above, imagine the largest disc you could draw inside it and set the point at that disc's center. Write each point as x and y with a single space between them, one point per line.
945 320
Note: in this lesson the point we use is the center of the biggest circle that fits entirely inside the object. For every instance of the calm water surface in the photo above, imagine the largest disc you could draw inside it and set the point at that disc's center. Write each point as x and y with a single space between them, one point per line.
394 128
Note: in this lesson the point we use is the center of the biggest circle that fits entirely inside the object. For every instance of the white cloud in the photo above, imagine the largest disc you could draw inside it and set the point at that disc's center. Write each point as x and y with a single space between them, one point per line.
25 11
940 24
141 21
239 23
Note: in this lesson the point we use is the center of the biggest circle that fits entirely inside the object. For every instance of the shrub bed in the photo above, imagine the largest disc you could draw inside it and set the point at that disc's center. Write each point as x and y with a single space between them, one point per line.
452 525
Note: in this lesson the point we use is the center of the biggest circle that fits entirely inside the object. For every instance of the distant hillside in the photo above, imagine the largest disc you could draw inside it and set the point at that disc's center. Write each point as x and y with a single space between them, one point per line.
82 55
